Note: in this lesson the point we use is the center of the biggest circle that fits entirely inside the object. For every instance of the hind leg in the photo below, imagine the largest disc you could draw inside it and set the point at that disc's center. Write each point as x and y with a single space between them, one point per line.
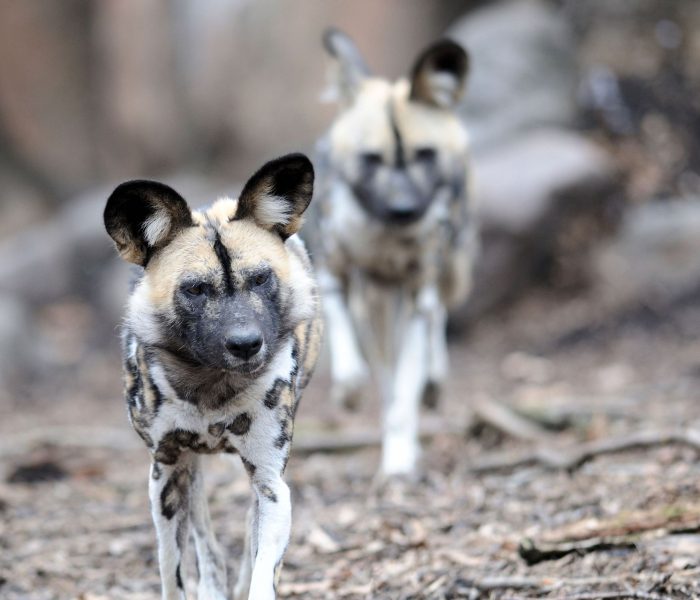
400 445
242 589
210 558
349 370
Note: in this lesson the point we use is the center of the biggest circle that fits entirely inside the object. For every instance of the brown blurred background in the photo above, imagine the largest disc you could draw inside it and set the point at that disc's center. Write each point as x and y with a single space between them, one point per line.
585 122
578 111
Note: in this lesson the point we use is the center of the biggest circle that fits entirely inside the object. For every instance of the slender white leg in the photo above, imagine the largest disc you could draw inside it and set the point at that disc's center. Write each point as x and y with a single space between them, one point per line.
169 491
242 588
210 558
270 534
400 448
438 361
348 367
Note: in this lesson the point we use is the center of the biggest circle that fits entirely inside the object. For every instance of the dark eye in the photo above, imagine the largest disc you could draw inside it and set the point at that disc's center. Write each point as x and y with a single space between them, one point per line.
372 159
194 289
261 278
425 154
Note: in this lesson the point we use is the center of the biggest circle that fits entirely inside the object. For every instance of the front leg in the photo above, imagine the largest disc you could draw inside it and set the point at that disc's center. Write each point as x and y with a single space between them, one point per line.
270 533
349 370
400 446
169 492
438 362
264 451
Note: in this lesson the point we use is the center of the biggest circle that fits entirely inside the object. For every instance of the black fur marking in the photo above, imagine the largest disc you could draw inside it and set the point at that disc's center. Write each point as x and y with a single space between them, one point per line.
178 577
249 467
133 386
400 153
272 396
268 493
295 358
217 429
156 471
172 443
283 437
225 260
154 390
241 424
174 495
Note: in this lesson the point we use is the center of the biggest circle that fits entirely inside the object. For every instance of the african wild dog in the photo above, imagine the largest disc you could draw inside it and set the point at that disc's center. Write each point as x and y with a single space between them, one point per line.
221 334
399 236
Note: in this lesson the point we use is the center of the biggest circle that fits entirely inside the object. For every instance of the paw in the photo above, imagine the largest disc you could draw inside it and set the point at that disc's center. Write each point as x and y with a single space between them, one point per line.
399 458
432 393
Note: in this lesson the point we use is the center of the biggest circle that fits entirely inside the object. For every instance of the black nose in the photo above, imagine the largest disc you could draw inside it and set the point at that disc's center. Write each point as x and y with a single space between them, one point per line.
244 344
404 214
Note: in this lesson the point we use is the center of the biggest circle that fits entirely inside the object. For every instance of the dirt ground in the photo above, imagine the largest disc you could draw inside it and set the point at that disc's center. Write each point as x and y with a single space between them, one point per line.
74 518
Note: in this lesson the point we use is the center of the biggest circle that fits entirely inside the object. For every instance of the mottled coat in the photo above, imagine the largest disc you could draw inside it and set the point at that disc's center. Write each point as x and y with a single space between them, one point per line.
221 335
398 231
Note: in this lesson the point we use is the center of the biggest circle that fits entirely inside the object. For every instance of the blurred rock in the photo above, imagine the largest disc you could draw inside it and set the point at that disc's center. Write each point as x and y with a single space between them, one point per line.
541 187
529 193
656 256
16 335
523 69
520 183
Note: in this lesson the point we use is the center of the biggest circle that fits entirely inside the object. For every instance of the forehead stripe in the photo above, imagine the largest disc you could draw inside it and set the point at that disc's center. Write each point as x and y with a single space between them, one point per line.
222 254
400 154
225 260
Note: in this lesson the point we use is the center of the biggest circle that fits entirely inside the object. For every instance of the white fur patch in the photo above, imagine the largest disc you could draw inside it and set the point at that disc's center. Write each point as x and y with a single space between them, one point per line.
444 88
273 210
156 227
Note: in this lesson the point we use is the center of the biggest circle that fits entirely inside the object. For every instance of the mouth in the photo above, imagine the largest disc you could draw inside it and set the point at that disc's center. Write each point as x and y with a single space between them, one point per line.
252 366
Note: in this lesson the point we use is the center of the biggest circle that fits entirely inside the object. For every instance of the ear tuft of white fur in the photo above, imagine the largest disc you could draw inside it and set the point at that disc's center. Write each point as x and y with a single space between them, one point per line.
273 210
444 88
157 227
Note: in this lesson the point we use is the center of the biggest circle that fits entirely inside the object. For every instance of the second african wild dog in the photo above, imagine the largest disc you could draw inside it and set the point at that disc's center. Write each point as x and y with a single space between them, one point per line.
221 334
399 236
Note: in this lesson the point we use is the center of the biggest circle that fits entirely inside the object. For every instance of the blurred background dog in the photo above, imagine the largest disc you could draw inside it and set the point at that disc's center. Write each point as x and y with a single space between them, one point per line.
396 237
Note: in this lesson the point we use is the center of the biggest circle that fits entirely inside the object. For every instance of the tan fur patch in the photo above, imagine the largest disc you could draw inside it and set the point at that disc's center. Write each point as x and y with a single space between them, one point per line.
192 253
366 126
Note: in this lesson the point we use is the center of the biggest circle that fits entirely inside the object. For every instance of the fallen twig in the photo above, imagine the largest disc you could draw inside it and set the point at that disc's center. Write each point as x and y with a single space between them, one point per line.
625 530
534 553
612 595
574 457
508 421
543 585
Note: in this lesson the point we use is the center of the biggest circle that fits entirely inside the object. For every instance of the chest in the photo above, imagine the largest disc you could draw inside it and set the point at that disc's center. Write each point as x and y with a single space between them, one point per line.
170 425
389 253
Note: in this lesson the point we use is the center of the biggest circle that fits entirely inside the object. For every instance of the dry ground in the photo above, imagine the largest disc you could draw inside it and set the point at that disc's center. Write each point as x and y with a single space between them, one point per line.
74 519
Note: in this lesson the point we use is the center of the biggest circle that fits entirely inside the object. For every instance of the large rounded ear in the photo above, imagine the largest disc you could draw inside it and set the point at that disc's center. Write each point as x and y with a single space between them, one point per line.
439 74
349 68
278 194
143 216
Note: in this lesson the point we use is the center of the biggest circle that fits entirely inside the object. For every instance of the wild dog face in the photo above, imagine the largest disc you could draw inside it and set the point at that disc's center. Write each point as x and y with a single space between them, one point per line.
220 287
398 144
